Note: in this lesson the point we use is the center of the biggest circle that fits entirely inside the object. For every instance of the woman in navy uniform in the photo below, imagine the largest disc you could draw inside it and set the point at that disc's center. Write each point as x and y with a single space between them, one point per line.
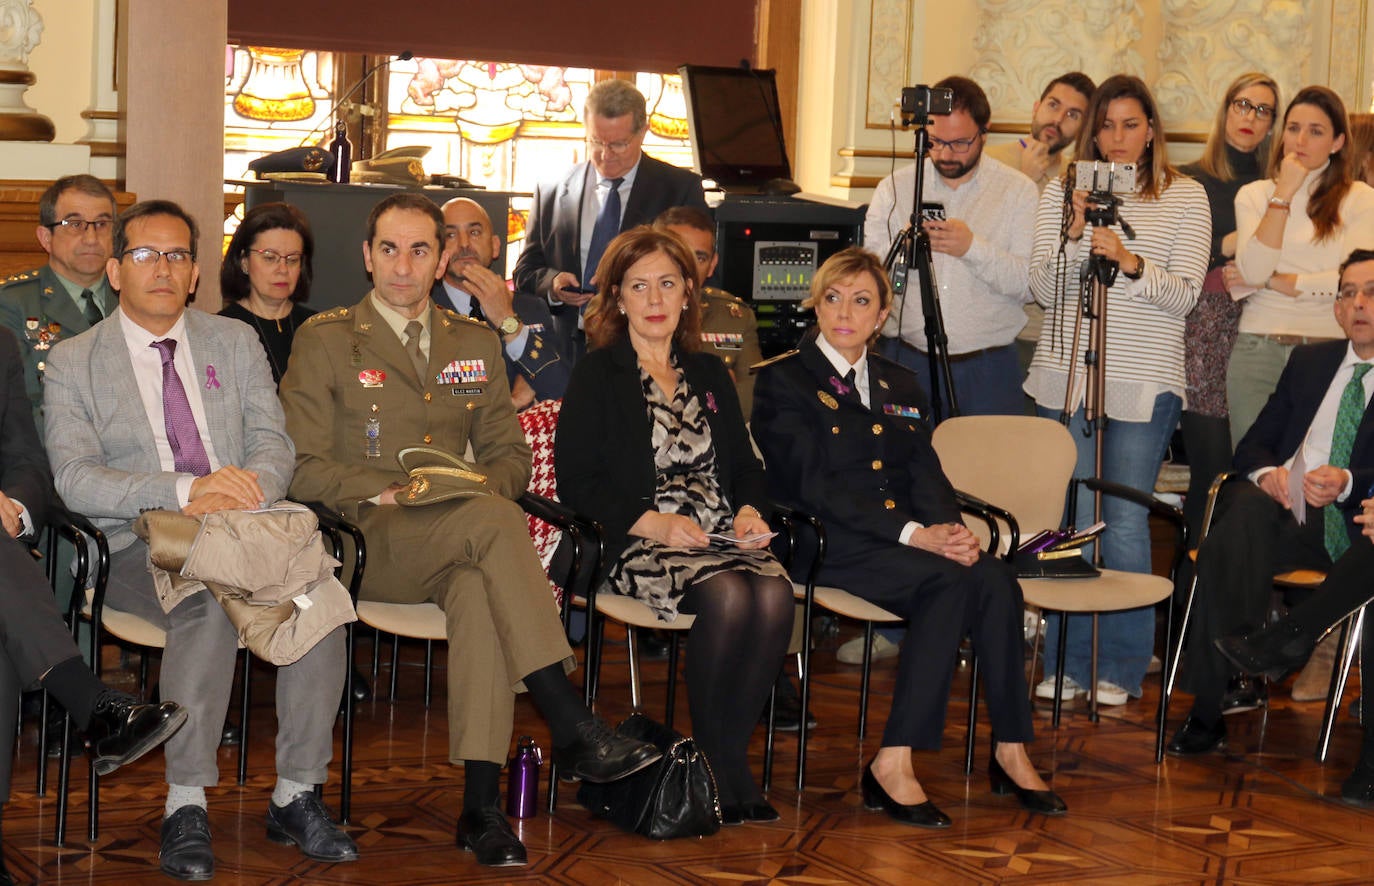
844 436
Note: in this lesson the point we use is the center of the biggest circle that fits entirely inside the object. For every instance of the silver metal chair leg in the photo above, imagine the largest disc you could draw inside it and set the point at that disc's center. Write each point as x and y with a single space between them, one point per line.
1349 642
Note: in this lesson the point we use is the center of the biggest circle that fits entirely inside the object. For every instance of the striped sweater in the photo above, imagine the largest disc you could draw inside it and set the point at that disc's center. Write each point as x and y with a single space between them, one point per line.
1144 353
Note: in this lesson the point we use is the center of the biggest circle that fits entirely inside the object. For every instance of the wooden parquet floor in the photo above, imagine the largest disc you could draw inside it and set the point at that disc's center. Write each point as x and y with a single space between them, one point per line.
1265 812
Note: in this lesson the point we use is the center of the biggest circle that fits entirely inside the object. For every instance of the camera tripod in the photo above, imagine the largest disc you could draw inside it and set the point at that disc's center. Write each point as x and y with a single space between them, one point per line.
910 250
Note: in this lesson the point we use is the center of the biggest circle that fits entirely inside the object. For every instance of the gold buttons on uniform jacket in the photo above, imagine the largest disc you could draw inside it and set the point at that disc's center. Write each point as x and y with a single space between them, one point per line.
877 429
428 396
890 504
835 430
428 439
471 405
877 464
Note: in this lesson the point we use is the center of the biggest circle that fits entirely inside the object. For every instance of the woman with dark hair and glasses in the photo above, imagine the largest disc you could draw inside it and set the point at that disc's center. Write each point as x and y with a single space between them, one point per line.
1236 154
1293 229
1160 266
266 275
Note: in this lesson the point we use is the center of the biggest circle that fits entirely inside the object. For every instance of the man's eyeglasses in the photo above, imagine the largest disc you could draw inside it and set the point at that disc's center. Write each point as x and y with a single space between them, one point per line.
1345 293
597 144
78 226
272 258
147 255
1243 107
958 145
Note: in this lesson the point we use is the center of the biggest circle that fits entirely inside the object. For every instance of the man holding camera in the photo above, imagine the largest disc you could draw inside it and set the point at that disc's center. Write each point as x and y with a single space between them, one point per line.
979 215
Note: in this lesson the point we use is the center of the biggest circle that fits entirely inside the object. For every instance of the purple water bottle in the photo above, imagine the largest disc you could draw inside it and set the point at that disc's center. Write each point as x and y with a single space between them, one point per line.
522 790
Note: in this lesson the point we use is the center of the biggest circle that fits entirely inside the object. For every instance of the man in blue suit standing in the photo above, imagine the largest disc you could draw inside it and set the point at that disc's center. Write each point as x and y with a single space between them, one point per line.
535 368
1308 461
616 188
158 406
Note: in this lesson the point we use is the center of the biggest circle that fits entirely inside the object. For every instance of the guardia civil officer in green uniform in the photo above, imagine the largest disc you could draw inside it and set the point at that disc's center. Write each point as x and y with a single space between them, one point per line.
69 294
728 326
396 371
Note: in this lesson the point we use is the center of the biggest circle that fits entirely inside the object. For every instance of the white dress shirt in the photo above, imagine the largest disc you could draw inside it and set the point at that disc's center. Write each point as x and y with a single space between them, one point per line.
147 363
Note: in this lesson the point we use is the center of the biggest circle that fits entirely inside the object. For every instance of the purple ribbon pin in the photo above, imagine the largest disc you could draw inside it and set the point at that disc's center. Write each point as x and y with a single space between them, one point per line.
840 387
210 380
711 401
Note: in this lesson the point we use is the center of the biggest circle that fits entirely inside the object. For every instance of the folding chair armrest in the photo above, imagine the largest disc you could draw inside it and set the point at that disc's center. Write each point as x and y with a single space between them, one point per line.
1158 508
990 513
334 524
550 511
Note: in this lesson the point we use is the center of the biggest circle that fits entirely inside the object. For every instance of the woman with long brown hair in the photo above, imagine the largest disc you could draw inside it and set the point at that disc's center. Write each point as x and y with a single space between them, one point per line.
1293 229
1160 269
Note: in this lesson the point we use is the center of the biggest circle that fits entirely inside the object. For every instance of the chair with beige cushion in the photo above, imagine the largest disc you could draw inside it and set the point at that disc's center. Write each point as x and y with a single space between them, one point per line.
1025 465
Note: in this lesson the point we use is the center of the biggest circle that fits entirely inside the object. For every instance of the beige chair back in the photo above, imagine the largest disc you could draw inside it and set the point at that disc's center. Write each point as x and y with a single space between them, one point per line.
1017 462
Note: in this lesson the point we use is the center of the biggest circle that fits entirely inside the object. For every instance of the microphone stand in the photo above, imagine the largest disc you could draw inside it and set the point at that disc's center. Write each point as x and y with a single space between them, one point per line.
352 90
912 249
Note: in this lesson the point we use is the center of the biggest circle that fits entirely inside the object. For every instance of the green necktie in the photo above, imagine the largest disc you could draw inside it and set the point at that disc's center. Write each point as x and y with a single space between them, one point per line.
1348 417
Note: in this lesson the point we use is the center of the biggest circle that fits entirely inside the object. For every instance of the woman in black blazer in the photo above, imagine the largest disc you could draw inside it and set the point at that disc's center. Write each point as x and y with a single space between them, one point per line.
844 434
651 444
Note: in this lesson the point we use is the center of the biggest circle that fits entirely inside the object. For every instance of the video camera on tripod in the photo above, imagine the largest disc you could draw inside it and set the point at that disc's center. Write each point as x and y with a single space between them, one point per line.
911 249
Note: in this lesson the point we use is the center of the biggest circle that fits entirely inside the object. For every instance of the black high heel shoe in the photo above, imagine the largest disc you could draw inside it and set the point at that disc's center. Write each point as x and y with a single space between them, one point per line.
1044 802
922 815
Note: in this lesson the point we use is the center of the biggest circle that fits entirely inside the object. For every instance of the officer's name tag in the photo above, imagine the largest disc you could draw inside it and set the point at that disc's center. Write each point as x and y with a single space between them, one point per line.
469 391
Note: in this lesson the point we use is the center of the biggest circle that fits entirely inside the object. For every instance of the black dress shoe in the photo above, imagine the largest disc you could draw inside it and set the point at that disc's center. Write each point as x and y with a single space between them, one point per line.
652 645
922 815
1195 738
122 730
305 822
358 685
1044 802
1273 651
232 736
600 755
787 712
487 834
186 852
739 813
1244 694
1358 789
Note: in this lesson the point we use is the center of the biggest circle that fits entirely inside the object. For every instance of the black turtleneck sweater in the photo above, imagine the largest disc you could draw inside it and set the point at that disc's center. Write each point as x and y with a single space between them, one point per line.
1221 195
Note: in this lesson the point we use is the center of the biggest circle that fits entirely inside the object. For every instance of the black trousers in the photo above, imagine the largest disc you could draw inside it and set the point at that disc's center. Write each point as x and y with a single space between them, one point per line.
941 602
33 638
1252 539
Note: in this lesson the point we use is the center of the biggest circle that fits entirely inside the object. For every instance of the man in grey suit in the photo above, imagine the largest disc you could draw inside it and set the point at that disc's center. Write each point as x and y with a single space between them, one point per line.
615 189
162 407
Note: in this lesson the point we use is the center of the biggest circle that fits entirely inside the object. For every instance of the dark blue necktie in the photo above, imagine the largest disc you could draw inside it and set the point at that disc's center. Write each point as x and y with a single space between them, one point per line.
603 232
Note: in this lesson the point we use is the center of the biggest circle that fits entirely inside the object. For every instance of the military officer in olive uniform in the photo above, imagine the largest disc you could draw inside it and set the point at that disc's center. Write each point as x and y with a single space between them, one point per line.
728 326
69 294
396 371
534 367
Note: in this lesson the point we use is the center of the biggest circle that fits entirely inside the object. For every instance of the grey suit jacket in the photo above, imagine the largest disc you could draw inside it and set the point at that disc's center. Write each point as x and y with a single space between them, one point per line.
100 440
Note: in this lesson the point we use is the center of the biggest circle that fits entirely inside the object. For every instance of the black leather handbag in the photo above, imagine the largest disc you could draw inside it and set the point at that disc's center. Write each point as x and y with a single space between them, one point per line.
675 797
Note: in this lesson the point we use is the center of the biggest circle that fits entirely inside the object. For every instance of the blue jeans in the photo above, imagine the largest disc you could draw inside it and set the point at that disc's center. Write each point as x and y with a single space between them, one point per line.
988 384
1131 455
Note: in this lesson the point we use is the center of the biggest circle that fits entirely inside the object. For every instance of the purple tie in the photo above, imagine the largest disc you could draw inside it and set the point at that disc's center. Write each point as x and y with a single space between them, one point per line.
182 434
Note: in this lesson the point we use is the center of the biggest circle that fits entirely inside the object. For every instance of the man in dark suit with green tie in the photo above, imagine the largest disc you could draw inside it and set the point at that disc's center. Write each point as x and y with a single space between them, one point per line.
69 294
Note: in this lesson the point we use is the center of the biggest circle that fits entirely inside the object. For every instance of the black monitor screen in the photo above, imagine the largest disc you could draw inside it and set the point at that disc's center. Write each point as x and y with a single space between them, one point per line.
735 124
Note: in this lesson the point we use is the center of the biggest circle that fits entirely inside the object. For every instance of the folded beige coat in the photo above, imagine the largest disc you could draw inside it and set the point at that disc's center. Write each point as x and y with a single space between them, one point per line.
268 569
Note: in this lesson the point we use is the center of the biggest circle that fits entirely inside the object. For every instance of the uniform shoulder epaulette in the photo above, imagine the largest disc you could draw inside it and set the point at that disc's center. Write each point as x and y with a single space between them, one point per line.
327 316
786 355
721 295
887 361
21 277
454 315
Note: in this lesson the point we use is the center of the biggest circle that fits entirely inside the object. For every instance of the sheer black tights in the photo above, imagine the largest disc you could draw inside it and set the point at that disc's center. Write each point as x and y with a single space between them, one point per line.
734 652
